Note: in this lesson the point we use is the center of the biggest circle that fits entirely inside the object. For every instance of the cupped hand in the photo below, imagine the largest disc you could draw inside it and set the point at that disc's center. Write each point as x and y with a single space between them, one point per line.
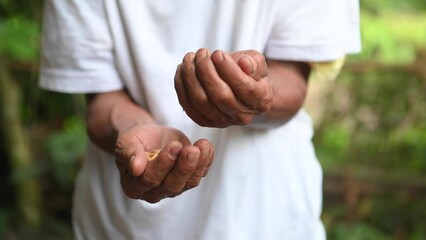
220 89
179 166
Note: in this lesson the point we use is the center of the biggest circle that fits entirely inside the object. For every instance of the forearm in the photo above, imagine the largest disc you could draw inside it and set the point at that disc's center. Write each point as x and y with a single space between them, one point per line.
289 82
110 113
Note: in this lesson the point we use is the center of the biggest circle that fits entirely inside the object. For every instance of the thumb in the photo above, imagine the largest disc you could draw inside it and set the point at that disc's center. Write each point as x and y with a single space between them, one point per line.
252 63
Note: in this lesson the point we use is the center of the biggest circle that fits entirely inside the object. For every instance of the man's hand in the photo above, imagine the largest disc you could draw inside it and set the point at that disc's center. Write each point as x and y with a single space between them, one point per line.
178 167
219 89
119 126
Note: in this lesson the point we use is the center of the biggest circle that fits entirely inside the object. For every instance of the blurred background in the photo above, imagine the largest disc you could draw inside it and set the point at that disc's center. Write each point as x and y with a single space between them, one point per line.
370 130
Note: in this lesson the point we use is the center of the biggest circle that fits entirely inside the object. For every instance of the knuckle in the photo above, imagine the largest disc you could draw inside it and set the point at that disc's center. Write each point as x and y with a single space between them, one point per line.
123 145
222 99
214 117
192 183
243 119
197 176
248 91
151 181
119 145
251 90
186 169
263 107
195 179
188 57
161 168
265 104
218 118
173 189
187 69
200 97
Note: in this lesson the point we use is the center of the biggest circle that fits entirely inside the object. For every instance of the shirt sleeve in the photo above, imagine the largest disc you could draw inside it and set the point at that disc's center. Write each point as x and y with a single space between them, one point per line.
77 49
315 30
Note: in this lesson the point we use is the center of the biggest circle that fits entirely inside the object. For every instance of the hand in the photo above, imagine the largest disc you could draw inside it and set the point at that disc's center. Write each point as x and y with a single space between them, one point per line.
219 89
178 167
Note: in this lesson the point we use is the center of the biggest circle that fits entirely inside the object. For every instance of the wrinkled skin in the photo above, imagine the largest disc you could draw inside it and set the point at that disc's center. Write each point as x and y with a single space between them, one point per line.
216 90
220 89
179 166
119 126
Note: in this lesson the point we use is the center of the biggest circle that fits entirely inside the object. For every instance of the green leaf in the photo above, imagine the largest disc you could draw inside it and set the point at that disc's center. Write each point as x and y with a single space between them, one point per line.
19 39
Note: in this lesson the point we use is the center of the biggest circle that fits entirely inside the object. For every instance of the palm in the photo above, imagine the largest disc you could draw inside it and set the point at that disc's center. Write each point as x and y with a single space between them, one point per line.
178 167
155 137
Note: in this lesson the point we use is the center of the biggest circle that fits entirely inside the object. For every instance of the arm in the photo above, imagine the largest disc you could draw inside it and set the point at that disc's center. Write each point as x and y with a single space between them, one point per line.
242 88
110 113
117 125
289 82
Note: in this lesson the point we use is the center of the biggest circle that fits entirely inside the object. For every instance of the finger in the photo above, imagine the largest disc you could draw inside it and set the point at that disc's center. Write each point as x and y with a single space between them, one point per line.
173 134
210 162
196 91
130 185
185 102
175 182
256 94
252 63
180 174
219 92
157 170
205 160
130 155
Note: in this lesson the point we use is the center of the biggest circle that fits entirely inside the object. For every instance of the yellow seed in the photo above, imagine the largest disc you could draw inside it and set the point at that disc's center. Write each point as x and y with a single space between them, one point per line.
153 154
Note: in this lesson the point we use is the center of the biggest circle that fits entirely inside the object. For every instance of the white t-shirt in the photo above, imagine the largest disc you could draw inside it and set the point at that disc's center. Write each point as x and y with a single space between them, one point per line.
263 184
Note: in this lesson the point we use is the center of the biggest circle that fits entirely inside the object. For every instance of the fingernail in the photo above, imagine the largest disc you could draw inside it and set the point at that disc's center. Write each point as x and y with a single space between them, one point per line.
131 161
247 62
218 56
174 152
188 57
206 52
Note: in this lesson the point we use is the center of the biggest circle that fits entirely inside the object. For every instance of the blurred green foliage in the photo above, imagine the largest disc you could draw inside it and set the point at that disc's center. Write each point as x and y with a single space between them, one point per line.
19 29
53 124
392 30
371 141
64 149
19 39
384 120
